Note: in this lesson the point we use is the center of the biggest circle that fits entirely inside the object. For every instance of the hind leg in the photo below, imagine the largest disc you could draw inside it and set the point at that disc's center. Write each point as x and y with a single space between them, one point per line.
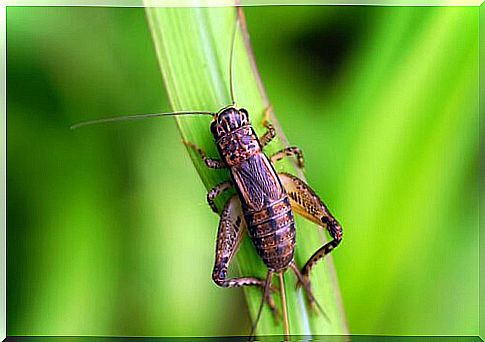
305 202
232 228
305 282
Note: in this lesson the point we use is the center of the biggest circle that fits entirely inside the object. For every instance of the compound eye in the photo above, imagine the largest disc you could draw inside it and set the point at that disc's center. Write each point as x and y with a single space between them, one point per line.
245 113
213 126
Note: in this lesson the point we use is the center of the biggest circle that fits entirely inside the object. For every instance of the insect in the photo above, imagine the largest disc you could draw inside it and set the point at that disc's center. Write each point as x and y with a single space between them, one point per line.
265 201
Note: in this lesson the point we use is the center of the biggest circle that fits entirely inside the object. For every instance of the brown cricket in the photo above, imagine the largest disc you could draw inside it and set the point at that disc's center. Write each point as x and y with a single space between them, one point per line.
264 202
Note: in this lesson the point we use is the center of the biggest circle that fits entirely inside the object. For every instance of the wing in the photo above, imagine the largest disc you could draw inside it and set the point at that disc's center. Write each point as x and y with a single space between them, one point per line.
257 182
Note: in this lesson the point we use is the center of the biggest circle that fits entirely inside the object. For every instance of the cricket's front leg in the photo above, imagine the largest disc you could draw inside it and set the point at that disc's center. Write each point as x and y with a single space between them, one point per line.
305 202
211 163
232 229
271 132
289 152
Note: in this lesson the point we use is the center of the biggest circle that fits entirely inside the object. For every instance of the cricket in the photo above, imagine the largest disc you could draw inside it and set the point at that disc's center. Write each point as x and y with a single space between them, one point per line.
264 204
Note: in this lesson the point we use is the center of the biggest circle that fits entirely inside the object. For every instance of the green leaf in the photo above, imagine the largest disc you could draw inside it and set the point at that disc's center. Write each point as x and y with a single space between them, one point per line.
193 47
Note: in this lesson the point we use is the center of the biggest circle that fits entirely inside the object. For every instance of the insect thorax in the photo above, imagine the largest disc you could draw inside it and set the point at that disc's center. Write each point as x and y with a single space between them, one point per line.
239 145
234 135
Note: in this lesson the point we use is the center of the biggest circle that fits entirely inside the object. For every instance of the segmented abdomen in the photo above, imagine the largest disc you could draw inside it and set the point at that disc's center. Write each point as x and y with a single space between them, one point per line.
272 230
267 210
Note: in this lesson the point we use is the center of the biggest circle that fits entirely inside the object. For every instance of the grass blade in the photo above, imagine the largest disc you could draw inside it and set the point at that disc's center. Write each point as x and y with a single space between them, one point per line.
193 48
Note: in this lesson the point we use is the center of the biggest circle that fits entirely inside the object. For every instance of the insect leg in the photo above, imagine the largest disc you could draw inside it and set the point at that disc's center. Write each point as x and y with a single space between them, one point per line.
211 163
266 294
271 132
305 202
216 191
308 288
232 229
289 152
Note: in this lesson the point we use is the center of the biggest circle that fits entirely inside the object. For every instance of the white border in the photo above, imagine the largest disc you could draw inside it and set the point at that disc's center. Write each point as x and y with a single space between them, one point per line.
223 3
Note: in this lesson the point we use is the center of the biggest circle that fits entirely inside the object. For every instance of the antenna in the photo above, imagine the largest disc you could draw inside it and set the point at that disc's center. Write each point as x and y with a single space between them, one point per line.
137 117
231 59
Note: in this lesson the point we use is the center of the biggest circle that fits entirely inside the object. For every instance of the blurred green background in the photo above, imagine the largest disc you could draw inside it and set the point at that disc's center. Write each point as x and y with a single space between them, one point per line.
108 229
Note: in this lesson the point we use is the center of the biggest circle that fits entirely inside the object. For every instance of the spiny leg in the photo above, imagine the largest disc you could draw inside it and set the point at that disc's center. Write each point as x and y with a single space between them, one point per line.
271 132
289 152
211 163
232 228
266 294
308 288
216 191
301 281
320 253
305 202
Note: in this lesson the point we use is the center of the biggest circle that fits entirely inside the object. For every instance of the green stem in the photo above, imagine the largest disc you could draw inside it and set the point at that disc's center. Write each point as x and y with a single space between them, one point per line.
193 47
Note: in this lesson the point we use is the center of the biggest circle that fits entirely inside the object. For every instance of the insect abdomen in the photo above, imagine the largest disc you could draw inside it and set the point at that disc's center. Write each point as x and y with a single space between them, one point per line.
264 201
272 230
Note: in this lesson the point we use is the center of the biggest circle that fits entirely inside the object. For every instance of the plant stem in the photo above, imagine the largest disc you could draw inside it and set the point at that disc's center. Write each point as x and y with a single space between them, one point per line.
193 48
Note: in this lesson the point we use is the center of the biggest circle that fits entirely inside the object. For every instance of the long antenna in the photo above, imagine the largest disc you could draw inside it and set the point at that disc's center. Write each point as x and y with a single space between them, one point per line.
231 60
137 117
